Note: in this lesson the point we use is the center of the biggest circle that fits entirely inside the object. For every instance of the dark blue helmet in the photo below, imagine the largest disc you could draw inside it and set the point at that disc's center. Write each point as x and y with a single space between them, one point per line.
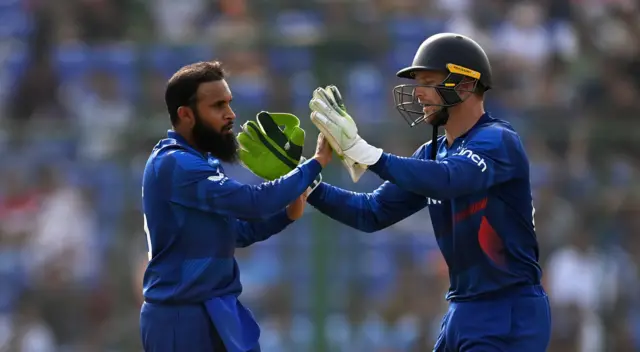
461 58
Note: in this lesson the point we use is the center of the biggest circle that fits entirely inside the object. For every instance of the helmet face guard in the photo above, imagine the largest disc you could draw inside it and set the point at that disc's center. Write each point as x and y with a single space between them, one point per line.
449 90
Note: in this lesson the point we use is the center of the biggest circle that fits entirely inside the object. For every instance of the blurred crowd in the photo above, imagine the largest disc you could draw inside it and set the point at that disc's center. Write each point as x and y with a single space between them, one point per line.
81 106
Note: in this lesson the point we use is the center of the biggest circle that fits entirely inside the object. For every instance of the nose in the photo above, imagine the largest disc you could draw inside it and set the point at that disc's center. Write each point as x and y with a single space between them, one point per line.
419 94
231 115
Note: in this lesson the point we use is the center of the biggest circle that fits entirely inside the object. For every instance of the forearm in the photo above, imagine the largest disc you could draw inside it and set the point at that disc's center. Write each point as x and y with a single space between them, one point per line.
263 200
250 232
271 197
353 209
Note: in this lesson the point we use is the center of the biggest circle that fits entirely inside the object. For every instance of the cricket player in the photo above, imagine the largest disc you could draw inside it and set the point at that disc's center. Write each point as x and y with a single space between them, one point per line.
195 216
475 181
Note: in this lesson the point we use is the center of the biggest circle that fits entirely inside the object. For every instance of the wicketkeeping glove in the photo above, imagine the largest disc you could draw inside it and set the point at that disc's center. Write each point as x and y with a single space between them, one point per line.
330 116
269 151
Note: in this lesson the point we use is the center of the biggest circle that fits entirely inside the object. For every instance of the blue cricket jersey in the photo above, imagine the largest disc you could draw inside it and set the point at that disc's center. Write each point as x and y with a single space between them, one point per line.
195 216
479 198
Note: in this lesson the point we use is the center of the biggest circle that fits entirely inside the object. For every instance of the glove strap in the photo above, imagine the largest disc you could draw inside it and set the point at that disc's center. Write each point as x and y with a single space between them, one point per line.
314 185
316 182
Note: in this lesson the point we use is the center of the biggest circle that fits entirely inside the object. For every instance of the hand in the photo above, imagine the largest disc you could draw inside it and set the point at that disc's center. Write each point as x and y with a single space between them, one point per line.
323 151
330 116
295 210
267 150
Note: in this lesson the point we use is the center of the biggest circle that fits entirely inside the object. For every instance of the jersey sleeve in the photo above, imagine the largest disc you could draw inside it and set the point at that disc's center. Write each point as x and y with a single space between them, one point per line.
492 156
368 212
195 184
250 232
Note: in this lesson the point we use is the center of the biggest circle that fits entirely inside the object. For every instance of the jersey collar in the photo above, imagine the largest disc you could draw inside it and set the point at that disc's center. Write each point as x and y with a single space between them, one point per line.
486 117
171 134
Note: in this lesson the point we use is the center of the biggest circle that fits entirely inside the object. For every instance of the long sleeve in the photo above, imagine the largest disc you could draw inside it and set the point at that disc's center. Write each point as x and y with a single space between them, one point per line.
368 212
250 232
490 157
196 184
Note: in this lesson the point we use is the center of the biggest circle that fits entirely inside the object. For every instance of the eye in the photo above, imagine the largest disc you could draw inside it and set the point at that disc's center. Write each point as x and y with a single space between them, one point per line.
219 105
222 104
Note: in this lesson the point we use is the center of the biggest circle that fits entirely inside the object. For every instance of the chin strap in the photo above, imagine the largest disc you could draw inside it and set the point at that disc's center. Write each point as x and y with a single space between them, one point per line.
440 119
434 142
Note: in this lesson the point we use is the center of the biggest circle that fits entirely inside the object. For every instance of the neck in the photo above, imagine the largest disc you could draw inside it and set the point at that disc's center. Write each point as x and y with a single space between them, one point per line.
461 121
188 138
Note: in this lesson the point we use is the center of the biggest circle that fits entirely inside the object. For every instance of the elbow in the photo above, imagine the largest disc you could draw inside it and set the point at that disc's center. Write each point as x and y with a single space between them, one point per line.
264 212
242 244
371 229
255 213
366 228
370 226
374 218
360 225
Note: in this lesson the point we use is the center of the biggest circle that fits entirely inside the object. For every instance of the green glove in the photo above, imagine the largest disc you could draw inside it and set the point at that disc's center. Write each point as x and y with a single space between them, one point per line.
270 151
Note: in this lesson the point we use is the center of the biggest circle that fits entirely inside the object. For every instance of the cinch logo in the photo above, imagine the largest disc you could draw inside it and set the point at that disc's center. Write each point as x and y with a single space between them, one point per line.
474 157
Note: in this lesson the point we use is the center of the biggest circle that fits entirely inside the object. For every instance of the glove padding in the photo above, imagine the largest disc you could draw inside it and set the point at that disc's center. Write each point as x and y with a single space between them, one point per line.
269 151
330 116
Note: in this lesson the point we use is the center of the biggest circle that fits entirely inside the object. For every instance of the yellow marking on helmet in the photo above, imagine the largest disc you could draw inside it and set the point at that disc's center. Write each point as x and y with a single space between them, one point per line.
449 84
453 68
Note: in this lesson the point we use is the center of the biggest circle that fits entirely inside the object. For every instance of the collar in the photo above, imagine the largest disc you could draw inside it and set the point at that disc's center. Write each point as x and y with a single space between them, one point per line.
175 135
181 141
486 117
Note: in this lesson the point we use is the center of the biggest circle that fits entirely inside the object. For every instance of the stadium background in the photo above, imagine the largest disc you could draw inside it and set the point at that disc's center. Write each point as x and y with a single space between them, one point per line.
81 93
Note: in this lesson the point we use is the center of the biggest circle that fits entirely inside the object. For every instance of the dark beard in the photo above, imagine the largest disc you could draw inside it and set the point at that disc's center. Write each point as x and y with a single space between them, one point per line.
223 146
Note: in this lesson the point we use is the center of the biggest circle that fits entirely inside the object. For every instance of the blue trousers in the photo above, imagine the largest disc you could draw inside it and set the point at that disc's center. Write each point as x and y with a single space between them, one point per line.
181 328
518 320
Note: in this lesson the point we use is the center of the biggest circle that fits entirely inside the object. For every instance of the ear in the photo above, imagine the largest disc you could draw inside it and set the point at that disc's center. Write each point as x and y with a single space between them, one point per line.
185 115
465 88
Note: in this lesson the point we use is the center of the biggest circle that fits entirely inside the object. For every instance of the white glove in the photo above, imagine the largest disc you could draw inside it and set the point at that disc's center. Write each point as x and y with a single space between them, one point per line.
330 117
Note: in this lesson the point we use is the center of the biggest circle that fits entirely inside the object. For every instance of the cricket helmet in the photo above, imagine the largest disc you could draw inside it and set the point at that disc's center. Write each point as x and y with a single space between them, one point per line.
461 58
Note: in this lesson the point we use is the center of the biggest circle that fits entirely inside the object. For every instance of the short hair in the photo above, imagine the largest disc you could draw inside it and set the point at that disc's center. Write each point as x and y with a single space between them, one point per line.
183 85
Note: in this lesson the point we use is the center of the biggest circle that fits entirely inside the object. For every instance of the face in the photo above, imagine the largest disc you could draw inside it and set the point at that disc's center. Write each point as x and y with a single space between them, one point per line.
212 122
427 96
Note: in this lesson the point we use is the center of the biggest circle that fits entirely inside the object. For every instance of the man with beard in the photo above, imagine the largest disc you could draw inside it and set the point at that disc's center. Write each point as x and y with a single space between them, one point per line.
195 217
